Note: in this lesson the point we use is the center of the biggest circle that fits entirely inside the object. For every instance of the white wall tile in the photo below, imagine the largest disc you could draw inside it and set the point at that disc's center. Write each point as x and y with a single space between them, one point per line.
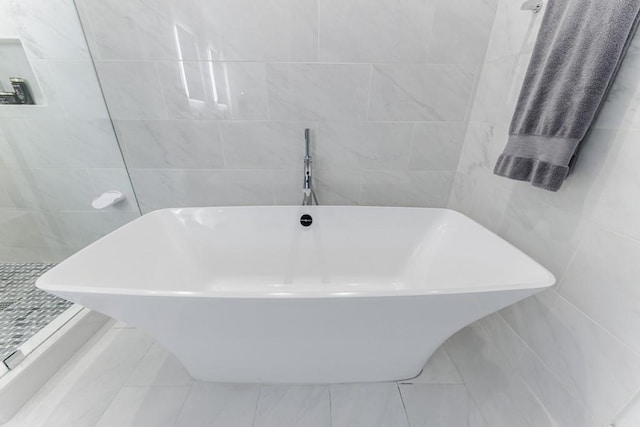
281 30
50 30
79 229
513 30
22 228
460 31
278 30
287 186
331 186
64 143
436 146
483 144
19 189
64 189
264 145
13 154
363 145
317 91
585 358
117 38
420 92
77 89
607 292
264 67
549 235
164 188
204 90
241 89
381 31
496 90
486 354
563 408
401 188
163 144
338 187
611 177
26 255
187 90
132 89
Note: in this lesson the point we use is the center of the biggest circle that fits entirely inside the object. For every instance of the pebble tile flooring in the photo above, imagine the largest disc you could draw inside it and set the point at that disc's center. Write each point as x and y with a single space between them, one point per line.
24 309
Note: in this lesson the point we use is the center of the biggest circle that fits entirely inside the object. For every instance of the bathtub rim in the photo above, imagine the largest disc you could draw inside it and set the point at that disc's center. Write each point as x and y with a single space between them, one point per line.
549 281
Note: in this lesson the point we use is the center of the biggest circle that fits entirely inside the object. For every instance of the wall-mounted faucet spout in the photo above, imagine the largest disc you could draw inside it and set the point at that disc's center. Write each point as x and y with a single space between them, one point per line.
309 196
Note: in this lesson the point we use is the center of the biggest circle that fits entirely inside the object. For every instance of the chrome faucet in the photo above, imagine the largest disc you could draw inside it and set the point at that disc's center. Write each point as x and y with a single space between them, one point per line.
309 196
20 95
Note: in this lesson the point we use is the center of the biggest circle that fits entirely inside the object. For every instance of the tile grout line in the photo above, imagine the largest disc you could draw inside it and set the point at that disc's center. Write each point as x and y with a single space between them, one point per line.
634 397
184 401
404 406
255 411
368 112
330 405
125 381
464 383
546 367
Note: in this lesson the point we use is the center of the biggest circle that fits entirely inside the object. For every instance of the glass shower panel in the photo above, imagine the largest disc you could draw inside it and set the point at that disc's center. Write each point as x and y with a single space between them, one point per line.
56 157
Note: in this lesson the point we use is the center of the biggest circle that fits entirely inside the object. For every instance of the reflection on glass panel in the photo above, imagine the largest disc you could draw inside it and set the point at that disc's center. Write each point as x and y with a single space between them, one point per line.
191 72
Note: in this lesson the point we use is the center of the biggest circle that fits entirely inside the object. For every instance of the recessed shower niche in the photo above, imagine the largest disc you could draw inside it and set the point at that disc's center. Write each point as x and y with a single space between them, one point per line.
15 64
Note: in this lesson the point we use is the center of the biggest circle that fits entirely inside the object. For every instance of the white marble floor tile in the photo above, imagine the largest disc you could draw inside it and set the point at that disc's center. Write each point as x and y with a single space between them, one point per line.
159 368
293 406
484 354
219 405
440 405
119 324
144 406
367 405
438 370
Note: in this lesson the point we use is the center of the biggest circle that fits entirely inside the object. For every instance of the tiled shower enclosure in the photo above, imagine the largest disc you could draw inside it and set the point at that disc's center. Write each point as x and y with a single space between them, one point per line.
24 309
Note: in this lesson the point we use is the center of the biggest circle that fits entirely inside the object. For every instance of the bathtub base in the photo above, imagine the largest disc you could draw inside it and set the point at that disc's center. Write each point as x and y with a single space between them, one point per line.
302 341
248 295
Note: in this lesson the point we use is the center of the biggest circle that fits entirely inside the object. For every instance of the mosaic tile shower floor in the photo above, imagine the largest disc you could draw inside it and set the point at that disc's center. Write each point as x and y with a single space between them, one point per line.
24 309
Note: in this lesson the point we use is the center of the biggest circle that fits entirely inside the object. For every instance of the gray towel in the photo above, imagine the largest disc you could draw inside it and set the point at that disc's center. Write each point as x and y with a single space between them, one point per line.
577 54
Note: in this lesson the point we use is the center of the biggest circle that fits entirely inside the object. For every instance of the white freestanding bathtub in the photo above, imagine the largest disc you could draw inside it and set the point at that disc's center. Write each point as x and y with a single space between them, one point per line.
248 294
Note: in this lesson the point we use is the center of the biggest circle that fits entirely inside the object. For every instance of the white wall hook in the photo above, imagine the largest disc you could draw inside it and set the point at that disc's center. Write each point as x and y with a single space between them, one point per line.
108 198
533 5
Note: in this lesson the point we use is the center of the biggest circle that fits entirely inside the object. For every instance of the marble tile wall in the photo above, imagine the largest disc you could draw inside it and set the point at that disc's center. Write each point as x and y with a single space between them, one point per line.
570 356
56 156
210 99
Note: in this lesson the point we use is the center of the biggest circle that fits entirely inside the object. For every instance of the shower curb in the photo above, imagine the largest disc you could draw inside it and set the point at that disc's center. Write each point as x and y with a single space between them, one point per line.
22 383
